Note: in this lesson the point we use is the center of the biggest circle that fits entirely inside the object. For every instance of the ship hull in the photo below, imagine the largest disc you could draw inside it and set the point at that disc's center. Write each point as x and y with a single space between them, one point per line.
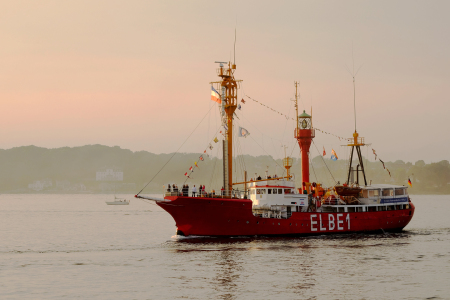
234 217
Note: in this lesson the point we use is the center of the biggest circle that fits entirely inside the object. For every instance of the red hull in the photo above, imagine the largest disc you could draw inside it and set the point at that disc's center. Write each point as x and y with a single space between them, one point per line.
234 217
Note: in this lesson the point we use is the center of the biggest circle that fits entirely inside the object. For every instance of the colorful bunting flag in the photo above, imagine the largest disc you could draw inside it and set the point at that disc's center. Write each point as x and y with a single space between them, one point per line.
382 163
409 182
374 153
195 163
190 169
334 153
215 140
239 107
324 153
201 157
243 101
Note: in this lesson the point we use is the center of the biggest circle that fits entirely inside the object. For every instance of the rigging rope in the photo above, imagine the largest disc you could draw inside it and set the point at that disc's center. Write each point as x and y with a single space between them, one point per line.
176 152
325 163
266 152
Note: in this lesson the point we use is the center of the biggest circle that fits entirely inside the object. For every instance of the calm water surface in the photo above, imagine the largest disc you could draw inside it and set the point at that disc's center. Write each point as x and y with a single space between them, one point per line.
77 247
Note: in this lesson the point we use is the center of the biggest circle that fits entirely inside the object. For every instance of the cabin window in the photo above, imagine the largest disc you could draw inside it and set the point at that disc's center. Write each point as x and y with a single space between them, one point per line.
280 191
388 192
399 192
287 191
374 193
365 193
258 191
269 191
263 191
274 191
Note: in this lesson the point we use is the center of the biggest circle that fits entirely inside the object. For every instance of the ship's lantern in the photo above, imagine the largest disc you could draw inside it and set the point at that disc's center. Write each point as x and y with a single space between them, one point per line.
304 121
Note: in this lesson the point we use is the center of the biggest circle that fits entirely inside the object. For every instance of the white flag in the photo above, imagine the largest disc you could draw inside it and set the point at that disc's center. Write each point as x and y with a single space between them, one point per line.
243 132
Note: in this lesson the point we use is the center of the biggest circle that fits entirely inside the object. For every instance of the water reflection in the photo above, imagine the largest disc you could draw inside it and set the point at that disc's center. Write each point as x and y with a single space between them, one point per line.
228 269
278 264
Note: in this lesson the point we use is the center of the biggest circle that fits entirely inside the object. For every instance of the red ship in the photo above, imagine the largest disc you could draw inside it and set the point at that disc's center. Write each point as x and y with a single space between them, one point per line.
274 206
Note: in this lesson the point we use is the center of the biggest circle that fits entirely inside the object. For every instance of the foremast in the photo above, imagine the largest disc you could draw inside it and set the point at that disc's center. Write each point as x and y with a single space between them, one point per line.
229 86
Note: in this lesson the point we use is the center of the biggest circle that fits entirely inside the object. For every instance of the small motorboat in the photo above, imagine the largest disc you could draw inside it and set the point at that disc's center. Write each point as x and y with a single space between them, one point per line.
118 201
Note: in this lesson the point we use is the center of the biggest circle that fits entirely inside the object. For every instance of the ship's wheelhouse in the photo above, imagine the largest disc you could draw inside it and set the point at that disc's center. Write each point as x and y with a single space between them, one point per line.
276 198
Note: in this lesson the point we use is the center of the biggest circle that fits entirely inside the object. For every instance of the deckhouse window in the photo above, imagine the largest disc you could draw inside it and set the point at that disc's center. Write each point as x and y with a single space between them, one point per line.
269 191
280 191
287 191
258 191
399 192
374 193
365 194
274 191
388 192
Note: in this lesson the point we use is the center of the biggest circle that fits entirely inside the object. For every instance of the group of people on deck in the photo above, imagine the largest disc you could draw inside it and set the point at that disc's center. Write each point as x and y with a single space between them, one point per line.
185 190
268 177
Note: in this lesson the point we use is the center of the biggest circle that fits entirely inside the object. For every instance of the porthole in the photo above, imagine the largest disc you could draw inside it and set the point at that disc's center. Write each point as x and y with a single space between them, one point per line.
248 222
278 223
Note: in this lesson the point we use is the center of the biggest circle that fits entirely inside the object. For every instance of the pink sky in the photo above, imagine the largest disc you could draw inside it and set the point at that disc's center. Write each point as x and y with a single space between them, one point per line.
136 73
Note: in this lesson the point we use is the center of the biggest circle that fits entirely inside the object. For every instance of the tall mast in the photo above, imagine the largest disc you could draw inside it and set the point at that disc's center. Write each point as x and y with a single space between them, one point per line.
296 101
229 103
356 142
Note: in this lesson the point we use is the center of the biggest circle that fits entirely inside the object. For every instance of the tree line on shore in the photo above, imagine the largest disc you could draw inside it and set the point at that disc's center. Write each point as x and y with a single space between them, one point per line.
68 169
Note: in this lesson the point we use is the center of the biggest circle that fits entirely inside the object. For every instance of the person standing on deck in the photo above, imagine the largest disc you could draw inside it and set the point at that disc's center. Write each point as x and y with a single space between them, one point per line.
194 191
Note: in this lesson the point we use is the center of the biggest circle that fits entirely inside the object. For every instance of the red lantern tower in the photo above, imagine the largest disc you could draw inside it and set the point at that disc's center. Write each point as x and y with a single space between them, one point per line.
304 133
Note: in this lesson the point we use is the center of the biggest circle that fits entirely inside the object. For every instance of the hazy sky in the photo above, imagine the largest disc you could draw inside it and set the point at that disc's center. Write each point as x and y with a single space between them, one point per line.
136 73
